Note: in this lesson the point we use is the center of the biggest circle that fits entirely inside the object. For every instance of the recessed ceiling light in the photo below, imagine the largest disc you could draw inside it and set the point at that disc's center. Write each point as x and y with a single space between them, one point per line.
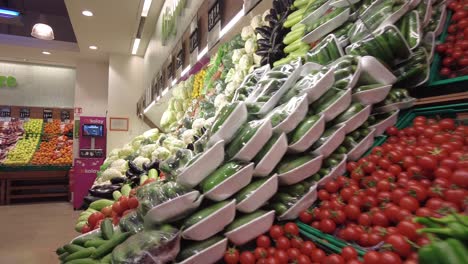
93 47
46 53
87 13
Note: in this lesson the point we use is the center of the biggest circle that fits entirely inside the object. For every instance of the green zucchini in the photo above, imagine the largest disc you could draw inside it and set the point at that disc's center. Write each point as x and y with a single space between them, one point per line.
326 100
219 175
298 189
107 229
242 137
84 253
280 208
95 243
83 261
72 248
324 137
224 113
267 147
303 128
196 247
245 219
292 162
249 189
107 248
349 142
204 213
350 112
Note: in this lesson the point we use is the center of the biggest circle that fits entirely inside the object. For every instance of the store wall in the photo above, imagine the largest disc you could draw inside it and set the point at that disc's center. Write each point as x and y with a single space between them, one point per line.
38 85
125 88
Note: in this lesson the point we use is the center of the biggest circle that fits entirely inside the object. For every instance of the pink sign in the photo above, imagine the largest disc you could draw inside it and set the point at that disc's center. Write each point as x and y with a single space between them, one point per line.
84 174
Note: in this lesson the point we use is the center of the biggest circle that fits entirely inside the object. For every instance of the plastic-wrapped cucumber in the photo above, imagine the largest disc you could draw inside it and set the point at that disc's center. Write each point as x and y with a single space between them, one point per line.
326 100
131 222
194 247
219 175
324 137
348 113
204 213
297 190
291 162
325 52
155 193
242 137
245 219
302 128
249 189
271 142
278 115
410 29
366 87
324 19
267 90
222 116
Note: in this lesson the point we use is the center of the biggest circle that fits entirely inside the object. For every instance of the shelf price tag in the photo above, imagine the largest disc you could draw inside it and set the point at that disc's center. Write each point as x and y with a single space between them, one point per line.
65 115
194 41
5 113
214 24
47 115
25 113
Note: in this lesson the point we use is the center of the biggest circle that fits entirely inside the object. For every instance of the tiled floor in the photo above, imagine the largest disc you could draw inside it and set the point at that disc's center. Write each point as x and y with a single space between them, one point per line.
29 234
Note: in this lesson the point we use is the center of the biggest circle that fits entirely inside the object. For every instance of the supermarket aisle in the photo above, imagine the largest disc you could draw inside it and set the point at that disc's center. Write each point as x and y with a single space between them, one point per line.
31 233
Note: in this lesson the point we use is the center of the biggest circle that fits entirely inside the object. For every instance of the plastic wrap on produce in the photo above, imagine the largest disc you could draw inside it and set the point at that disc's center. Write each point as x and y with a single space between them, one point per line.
131 222
155 193
326 51
149 247
177 162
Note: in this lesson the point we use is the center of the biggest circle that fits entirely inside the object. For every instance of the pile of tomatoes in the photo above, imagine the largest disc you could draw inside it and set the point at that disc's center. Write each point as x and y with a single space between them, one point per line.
421 170
455 49
282 245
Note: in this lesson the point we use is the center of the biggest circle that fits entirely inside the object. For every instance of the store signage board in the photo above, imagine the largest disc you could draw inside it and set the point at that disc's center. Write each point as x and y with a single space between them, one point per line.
250 4
47 115
214 24
194 41
25 113
5 113
65 115
7 81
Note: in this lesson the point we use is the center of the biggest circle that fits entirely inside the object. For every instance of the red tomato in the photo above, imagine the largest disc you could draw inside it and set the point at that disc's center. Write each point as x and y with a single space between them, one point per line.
117 208
460 177
392 131
94 218
133 202
434 203
281 256
306 217
317 255
303 259
260 253
291 229
423 212
334 259
263 241
247 258
271 251
323 195
293 254
379 219
409 203
365 220
276 231
372 257
427 162
107 211
231 256
443 172
388 257
445 71
283 243
338 216
352 211
408 229
327 226
417 192
441 48
403 214
399 245
332 187
272 260
85 229
346 193
349 253
296 242
307 248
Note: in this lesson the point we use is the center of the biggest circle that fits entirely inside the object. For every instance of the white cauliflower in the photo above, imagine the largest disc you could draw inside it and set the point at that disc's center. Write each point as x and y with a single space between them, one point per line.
247 32
188 136
231 87
250 46
160 153
237 54
256 21
210 121
120 165
230 75
257 59
139 161
126 151
152 134
108 174
245 62
198 124
146 150
220 101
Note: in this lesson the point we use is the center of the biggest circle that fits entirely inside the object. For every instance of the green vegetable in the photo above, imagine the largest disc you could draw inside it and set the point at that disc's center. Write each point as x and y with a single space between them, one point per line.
271 142
72 248
60 251
249 189
324 137
224 113
292 162
350 112
83 261
196 247
204 213
107 248
303 128
326 100
126 188
95 243
366 87
107 229
279 208
219 175
101 203
84 253
245 219
242 137
116 195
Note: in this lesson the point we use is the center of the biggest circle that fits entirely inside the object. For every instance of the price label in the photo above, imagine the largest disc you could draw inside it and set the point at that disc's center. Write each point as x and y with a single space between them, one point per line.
5 112
194 40
25 113
47 114
180 58
214 15
64 115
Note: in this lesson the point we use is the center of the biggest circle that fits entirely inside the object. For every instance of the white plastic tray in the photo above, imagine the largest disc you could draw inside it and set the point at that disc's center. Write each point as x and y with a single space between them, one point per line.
362 147
301 173
428 14
231 185
309 138
443 17
343 3
251 230
332 143
357 120
429 40
357 73
418 21
372 96
230 126
209 255
338 106
172 210
392 107
212 224
384 124
340 169
203 166
314 92
319 12
294 118
305 202
266 165
260 196
328 27
375 70
255 144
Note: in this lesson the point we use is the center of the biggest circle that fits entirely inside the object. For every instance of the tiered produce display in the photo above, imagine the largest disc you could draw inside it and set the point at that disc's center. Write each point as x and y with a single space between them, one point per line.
271 131
10 132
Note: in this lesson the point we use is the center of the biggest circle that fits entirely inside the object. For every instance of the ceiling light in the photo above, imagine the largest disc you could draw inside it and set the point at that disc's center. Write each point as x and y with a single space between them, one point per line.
42 31
93 47
7 12
87 13
136 44
46 53
146 7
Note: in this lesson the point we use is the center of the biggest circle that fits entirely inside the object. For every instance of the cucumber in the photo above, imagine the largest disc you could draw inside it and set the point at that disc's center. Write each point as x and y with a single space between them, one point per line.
249 189
297 189
107 259
107 248
99 204
107 229
292 162
60 251
348 113
196 247
116 195
79 225
219 175
367 87
152 174
126 188
83 261
82 240
224 113
324 137
279 208
63 256
278 116
271 142
204 213
285 198
241 138
72 248
303 128
94 243
326 100
84 253
245 219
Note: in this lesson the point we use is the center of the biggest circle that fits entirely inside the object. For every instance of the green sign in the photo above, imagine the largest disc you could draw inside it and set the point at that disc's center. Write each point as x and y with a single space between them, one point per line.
7 81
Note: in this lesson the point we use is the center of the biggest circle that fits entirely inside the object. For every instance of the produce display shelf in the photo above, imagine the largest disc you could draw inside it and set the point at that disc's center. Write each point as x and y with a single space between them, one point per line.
34 168
437 85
